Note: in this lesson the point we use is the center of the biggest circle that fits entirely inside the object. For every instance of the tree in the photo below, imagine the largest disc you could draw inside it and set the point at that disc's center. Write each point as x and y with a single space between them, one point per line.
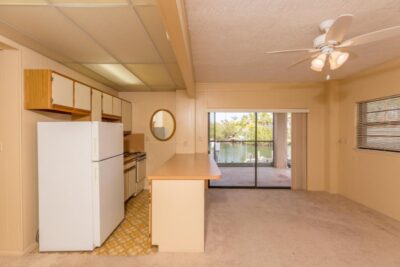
243 127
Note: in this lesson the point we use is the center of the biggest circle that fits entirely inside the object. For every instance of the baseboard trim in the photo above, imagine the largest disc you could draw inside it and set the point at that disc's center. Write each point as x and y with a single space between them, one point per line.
31 248
27 250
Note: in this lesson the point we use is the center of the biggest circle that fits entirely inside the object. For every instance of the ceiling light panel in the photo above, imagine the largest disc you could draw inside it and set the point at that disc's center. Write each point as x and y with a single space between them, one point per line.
151 18
134 88
90 3
51 29
144 2
118 30
155 76
91 74
115 73
23 2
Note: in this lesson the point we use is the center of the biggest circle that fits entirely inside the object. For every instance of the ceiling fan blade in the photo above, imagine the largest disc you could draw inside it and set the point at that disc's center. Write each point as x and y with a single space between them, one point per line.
303 50
371 37
339 28
302 60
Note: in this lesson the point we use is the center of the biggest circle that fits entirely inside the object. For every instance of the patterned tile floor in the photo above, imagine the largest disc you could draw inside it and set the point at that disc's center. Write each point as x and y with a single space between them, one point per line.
131 237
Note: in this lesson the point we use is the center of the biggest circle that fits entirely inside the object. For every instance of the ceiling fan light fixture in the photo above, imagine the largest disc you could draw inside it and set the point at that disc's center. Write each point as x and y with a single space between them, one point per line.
337 59
318 63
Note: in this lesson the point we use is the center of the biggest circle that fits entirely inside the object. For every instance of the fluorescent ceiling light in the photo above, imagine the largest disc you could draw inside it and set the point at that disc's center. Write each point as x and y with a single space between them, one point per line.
115 73
337 59
318 63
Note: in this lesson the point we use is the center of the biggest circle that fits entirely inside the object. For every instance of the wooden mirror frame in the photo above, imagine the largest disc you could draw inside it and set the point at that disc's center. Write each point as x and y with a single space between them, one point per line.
151 124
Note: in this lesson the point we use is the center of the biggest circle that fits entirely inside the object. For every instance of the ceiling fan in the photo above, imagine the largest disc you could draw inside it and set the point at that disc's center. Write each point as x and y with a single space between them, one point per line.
331 43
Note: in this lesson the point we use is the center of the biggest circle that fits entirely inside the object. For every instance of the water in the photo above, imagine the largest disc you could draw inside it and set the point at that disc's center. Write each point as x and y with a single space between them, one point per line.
243 152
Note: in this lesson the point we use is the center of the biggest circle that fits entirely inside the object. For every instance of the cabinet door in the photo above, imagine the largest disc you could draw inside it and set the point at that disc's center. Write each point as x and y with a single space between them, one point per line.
62 91
82 96
117 106
96 105
127 116
107 104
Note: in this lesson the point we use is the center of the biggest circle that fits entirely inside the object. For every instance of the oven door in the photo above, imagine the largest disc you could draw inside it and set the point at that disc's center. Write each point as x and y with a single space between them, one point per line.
140 174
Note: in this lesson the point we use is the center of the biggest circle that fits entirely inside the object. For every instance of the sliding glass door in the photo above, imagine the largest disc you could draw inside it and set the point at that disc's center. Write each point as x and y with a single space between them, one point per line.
232 144
252 149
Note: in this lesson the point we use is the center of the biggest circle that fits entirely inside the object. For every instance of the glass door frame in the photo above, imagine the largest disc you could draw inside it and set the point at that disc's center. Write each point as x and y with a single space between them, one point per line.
255 186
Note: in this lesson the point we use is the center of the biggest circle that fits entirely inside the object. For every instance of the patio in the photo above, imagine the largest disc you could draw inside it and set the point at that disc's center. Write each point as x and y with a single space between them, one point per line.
244 176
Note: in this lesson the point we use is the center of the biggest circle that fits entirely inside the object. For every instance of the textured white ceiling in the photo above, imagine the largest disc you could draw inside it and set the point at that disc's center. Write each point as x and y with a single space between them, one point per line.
229 37
76 33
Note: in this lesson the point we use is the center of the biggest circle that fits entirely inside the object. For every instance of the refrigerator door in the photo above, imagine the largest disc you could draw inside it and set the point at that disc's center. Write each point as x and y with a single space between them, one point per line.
65 186
108 202
107 140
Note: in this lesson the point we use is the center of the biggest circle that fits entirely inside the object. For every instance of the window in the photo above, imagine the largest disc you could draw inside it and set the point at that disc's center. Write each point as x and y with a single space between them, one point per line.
379 124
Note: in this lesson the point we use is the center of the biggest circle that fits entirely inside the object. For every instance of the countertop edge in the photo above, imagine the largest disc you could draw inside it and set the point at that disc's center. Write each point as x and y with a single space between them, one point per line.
209 171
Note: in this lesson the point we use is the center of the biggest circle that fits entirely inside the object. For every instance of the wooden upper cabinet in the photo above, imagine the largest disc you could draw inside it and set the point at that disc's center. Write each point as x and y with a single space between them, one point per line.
107 104
96 105
52 91
49 90
127 116
82 97
117 108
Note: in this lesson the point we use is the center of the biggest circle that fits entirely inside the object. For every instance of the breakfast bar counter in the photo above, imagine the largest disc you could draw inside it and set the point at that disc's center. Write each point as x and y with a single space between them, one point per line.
177 202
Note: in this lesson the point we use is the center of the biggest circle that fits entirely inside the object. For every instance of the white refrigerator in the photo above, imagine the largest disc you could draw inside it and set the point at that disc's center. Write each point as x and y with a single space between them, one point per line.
80 184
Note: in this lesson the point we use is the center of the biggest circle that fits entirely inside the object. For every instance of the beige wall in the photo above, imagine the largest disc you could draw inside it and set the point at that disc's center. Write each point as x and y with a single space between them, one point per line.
20 212
371 178
144 104
191 117
270 96
10 147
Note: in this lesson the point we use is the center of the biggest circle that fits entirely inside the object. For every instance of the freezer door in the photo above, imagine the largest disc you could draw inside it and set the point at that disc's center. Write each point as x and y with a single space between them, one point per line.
108 196
107 140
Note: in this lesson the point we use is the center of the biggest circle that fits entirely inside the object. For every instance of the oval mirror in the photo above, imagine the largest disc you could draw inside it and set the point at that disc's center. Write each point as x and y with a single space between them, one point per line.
162 124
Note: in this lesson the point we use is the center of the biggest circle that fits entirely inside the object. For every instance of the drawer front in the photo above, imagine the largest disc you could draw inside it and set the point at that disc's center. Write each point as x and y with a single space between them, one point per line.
62 91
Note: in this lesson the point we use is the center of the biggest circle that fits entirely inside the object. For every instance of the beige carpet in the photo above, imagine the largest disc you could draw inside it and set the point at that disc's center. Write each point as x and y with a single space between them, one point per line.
247 227
244 176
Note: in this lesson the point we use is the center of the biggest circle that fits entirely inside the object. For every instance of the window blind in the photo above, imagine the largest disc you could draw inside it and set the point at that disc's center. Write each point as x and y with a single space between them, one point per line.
379 124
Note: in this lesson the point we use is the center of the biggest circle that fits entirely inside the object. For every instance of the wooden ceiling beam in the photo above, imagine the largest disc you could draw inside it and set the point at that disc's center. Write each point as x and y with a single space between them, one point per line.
173 14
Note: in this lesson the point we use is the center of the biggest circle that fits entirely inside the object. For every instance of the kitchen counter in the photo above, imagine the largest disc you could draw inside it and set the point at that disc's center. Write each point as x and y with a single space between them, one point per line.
177 202
188 167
